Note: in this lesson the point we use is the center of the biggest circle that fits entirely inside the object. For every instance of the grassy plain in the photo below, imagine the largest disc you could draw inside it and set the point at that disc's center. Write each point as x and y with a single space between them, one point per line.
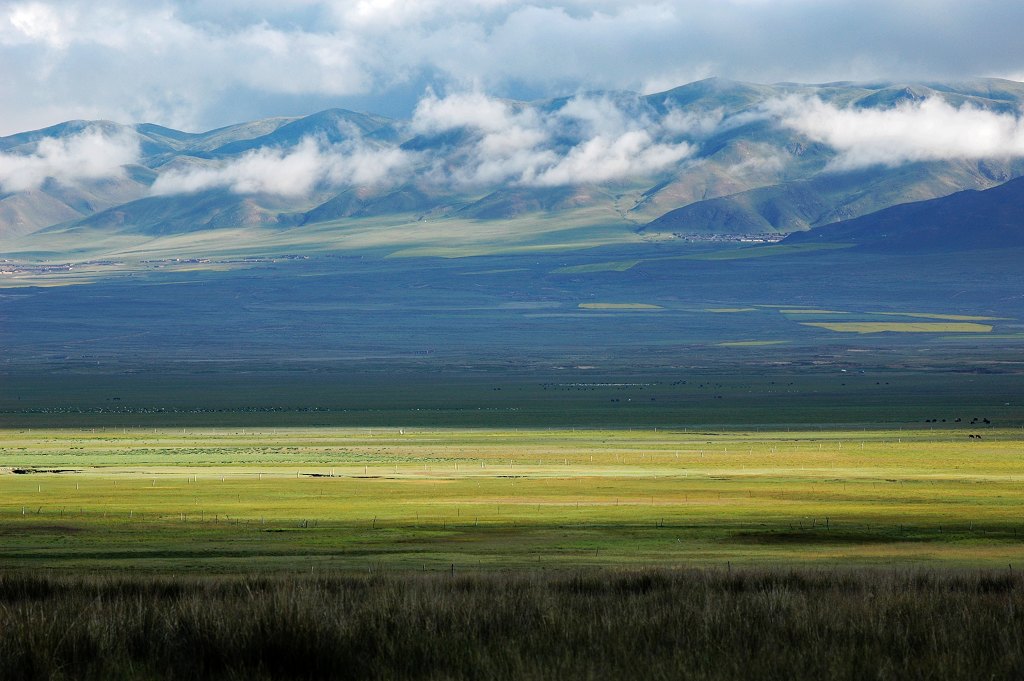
238 500
367 467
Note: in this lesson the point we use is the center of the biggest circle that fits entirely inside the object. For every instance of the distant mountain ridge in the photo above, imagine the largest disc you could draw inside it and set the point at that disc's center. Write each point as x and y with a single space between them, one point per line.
746 174
967 220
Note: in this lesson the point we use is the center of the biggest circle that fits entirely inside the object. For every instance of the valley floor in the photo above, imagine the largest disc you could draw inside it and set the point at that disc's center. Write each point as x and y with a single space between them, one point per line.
291 500
696 465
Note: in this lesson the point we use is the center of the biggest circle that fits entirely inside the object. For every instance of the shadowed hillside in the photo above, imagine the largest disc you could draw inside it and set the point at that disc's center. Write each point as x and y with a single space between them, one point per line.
991 219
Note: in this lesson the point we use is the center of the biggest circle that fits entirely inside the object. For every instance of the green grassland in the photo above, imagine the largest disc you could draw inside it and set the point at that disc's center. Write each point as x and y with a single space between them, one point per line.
951 317
234 500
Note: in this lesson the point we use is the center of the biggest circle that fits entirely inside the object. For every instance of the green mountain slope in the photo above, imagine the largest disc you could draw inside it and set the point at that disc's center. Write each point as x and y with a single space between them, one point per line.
332 126
991 219
830 197
742 171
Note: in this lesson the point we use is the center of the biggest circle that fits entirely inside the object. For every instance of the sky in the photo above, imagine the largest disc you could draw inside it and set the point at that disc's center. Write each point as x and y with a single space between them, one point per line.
197 65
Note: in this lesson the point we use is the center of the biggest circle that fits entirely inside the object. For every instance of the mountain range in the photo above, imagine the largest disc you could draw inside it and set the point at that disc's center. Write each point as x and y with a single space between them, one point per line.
714 157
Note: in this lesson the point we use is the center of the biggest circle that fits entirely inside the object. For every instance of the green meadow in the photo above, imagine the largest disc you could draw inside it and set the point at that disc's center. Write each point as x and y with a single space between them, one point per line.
242 500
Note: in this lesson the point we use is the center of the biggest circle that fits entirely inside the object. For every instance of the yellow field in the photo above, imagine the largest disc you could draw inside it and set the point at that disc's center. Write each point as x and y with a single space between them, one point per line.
619 306
950 317
901 327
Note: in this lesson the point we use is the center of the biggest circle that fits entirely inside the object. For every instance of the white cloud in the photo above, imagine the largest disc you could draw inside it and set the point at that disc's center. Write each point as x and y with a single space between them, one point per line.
89 155
511 142
929 130
292 172
36 21
473 110
604 159
691 123
403 13
770 164
155 62
194 64
585 140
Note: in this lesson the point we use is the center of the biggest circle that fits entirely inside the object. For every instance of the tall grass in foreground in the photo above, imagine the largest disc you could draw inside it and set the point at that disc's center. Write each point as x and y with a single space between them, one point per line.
645 624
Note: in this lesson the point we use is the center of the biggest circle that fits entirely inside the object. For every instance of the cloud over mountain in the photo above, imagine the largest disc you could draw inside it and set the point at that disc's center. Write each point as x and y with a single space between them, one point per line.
926 130
89 155
291 172
472 140
585 140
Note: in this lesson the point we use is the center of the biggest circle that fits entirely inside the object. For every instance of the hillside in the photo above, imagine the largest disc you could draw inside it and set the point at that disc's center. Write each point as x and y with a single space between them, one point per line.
991 219
831 197
714 157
